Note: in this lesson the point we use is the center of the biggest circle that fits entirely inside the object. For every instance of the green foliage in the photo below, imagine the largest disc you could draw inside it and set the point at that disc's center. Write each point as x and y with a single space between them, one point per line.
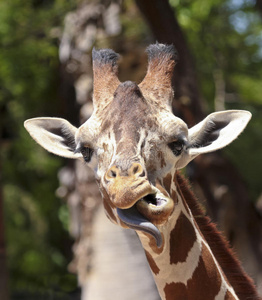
37 243
225 36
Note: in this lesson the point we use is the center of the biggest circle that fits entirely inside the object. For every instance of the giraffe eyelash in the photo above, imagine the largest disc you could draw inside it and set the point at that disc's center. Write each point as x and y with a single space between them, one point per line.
86 152
177 146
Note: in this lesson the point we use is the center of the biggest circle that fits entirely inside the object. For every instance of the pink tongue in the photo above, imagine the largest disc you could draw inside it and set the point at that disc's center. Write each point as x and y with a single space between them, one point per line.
135 220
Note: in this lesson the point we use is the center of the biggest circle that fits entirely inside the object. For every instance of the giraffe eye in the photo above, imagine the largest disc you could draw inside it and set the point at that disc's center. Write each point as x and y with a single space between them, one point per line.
87 153
176 147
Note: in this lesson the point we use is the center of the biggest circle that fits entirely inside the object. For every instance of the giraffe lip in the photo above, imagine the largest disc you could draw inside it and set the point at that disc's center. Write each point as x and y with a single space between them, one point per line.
156 207
135 220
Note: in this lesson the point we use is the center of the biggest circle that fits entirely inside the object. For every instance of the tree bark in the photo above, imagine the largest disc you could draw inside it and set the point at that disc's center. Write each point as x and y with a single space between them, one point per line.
259 5
212 175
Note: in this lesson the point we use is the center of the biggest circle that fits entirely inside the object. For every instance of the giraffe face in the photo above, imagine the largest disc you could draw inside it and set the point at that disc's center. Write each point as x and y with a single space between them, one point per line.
134 145
132 140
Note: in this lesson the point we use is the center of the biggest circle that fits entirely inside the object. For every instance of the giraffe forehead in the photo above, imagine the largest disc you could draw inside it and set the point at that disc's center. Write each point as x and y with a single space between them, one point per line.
130 113
130 117
129 109
127 115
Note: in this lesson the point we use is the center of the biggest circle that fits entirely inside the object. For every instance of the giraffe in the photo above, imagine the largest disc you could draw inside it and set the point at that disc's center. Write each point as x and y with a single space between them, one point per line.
136 147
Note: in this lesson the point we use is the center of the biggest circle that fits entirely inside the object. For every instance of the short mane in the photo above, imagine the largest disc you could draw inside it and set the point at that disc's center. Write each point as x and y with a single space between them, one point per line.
240 281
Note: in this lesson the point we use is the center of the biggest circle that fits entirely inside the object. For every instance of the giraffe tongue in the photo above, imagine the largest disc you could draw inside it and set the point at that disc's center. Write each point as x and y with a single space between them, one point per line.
135 220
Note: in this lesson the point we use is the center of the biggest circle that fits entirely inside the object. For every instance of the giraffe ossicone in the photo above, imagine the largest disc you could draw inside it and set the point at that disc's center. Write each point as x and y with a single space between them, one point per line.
135 145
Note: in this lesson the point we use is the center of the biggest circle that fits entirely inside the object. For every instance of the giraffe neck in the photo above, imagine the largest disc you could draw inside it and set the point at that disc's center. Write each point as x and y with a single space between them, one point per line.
185 266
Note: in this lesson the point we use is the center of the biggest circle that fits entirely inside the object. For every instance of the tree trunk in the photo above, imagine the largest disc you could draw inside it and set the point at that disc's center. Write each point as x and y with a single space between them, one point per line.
212 175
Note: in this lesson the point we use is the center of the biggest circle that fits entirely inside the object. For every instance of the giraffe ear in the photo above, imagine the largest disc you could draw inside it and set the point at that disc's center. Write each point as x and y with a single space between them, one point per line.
55 135
216 131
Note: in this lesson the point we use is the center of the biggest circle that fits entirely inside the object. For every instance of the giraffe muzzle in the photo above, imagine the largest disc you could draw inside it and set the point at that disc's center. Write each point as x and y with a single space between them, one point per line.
126 186
140 205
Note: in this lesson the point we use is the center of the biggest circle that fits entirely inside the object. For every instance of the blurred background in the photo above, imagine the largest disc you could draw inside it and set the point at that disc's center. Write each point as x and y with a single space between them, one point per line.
54 238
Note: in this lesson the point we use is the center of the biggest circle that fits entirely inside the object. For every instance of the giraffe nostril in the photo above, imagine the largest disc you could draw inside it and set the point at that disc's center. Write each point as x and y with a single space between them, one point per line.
142 174
112 174
137 170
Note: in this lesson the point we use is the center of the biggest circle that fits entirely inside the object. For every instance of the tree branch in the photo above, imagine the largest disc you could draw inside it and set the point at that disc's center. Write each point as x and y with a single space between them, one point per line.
259 6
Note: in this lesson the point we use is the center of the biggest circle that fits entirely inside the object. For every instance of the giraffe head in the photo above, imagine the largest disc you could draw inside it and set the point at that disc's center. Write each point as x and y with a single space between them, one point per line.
132 140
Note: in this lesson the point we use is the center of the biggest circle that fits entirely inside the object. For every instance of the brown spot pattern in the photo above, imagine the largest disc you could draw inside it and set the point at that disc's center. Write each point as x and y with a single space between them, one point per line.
229 296
161 188
105 147
182 239
162 159
152 263
167 182
210 271
176 291
204 284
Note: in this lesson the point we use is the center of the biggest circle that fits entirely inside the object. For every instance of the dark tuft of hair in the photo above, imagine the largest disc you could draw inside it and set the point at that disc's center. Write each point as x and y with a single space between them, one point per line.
69 138
105 56
158 51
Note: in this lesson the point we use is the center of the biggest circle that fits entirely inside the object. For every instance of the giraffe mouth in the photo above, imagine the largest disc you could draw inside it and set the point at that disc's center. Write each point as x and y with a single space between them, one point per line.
153 200
156 207
147 213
